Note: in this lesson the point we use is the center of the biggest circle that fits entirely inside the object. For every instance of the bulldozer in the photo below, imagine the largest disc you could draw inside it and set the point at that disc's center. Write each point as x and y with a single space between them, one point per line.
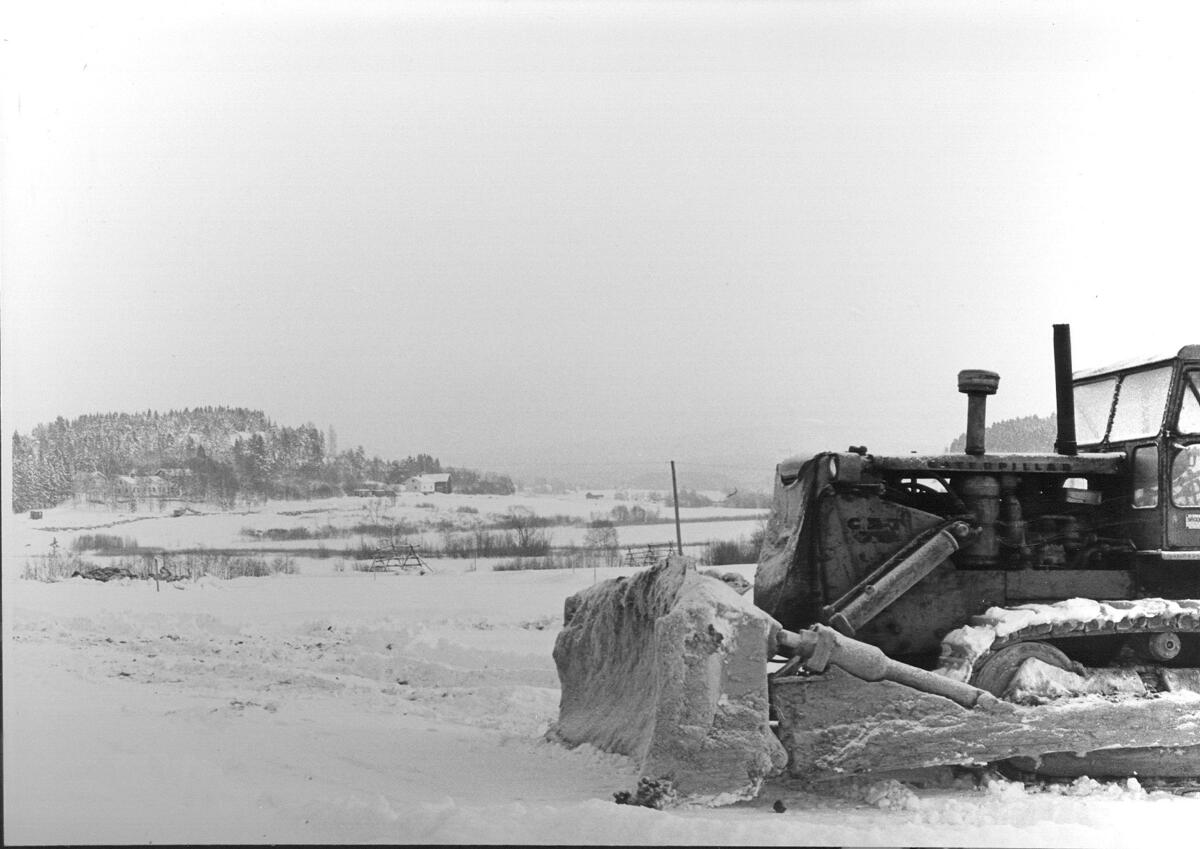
1036 612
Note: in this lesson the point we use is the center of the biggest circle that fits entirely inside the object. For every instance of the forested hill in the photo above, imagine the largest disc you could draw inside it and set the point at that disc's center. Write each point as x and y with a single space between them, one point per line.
211 453
1028 433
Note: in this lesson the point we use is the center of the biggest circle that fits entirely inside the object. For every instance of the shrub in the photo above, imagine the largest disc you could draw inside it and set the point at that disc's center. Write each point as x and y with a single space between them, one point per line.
691 498
528 531
197 564
637 514
603 543
566 558
321 489
282 564
290 533
52 567
519 518
102 543
481 542
193 565
363 551
458 545
730 552
748 500
522 564
385 530
326 531
557 520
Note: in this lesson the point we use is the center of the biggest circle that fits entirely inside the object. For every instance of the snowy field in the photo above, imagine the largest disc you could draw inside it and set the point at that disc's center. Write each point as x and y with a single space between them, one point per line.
330 706
430 514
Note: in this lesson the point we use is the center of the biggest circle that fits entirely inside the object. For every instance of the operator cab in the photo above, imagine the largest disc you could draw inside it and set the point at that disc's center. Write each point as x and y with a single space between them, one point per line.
1150 410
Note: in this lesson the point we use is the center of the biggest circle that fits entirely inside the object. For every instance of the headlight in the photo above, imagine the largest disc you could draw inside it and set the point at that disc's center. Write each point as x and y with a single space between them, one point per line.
845 469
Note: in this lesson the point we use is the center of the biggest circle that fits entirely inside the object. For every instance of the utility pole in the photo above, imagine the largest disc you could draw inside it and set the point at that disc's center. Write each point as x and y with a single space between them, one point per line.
675 492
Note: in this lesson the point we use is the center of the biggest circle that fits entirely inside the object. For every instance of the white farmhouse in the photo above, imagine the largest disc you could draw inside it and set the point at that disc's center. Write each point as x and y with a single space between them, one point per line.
426 484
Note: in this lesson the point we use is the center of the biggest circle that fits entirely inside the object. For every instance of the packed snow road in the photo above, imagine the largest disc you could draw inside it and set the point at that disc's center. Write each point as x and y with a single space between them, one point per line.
356 708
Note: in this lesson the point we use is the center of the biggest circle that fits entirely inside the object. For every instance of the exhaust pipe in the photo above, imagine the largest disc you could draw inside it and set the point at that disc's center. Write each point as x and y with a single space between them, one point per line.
977 384
1064 392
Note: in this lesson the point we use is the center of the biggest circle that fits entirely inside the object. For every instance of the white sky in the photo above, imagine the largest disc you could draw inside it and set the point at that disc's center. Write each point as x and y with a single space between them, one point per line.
536 236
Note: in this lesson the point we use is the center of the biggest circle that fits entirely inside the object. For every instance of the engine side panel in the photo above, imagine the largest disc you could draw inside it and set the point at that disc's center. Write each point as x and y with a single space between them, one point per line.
859 530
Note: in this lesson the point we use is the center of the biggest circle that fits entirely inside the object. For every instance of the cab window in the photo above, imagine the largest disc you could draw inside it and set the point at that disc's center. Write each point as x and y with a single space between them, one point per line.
1145 476
1185 477
1189 410
1093 403
1141 400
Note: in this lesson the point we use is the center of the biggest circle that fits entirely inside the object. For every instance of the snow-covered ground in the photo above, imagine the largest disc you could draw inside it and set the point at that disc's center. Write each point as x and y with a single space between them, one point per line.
348 707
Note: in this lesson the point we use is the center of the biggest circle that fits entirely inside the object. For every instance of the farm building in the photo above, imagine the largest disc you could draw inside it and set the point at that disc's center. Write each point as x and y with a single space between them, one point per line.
90 488
427 484
96 489
375 489
135 489
173 474
152 486
125 487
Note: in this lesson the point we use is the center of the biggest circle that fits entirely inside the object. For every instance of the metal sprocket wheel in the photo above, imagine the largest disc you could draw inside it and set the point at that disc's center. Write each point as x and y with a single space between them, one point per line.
997 669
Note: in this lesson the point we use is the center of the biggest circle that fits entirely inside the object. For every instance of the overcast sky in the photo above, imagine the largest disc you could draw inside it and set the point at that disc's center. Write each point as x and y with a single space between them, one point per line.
528 236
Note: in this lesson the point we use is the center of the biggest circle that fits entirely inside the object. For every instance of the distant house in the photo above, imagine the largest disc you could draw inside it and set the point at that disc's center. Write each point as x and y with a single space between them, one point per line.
152 486
139 487
174 474
96 489
176 480
375 489
90 488
426 484
125 487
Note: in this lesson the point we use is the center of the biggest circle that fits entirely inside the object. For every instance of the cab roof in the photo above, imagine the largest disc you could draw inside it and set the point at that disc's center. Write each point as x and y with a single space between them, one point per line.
1187 352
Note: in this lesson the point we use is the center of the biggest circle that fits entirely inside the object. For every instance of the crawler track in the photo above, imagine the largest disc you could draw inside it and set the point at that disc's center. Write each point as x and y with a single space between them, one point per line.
965 647
968 649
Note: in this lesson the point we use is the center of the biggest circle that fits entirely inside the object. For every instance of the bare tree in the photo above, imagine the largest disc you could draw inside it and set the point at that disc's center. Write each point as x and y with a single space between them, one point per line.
530 536
377 511
602 543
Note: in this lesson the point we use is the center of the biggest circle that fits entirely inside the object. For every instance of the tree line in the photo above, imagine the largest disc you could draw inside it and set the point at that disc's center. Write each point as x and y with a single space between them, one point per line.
217 454
1027 433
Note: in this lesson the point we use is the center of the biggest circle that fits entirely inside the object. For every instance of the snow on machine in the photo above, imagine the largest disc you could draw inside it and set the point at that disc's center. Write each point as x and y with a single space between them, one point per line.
1034 610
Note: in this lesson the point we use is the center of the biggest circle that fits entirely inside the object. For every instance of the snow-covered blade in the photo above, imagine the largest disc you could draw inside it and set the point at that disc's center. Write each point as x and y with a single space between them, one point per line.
834 724
669 667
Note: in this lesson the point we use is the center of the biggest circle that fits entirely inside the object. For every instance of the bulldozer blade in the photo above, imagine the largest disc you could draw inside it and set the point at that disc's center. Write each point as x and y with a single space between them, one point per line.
669 667
834 725
1142 762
